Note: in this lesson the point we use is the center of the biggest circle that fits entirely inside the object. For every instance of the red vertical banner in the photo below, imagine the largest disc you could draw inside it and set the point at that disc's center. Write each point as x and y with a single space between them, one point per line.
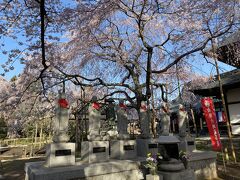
211 119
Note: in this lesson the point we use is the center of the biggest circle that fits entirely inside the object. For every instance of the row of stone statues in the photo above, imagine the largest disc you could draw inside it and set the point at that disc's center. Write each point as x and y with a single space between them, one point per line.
117 119
120 120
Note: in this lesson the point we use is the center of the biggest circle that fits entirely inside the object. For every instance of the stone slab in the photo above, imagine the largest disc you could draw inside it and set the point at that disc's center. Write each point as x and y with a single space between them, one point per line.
145 146
187 174
94 151
112 170
60 154
123 149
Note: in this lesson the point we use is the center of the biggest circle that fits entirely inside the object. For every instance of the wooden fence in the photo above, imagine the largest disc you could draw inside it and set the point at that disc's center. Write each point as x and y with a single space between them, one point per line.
25 141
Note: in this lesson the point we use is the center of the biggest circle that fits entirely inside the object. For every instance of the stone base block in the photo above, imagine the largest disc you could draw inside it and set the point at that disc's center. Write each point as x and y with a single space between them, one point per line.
187 174
154 177
204 164
112 170
145 146
123 149
171 166
187 144
167 140
60 154
94 151
123 136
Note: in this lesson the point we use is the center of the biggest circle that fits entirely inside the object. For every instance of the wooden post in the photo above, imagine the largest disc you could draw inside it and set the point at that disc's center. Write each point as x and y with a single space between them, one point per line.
31 151
224 164
166 87
226 154
173 125
194 122
41 133
49 136
201 126
36 130
223 101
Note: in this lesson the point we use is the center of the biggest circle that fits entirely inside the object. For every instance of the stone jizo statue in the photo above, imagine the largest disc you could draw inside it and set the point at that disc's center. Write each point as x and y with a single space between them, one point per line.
182 120
144 121
110 113
60 124
165 119
94 115
122 120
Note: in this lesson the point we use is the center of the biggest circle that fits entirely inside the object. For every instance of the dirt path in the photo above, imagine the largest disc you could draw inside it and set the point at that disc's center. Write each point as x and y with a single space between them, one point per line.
232 171
14 169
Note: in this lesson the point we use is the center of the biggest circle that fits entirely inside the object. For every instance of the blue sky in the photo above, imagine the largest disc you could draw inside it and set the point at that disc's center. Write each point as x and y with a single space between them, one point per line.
199 64
9 45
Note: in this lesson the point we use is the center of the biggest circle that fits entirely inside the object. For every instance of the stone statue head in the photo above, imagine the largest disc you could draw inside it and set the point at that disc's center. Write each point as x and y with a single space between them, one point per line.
110 100
143 103
164 105
207 104
94 99
121 101
180 107
62 95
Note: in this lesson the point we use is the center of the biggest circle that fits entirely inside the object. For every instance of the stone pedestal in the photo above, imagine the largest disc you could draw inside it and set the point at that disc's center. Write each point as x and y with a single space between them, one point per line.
173 165
187 174
112 170
204 164
187 144
94 151
60 154
145 146
154 177
123 149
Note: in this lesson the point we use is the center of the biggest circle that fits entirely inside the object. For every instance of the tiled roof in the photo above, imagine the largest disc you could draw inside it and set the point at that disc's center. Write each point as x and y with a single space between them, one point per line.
227 79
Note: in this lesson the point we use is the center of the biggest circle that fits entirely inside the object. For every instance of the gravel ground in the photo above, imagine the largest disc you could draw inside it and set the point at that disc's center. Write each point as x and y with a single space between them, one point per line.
13 166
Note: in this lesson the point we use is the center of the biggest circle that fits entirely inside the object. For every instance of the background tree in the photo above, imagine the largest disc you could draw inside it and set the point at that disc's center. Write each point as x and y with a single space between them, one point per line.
125 46
115 47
